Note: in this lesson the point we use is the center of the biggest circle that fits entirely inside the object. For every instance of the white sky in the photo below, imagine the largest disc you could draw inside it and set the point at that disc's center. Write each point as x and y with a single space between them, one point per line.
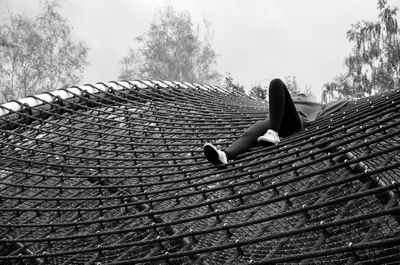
256 40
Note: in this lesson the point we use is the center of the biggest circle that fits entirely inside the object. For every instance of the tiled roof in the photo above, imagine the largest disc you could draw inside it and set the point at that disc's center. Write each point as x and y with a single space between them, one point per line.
114 174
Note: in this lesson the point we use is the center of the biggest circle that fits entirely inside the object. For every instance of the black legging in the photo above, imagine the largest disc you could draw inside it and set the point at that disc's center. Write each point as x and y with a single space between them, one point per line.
283 118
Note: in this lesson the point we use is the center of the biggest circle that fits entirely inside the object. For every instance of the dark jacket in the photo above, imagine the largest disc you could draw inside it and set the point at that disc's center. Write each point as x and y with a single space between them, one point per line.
311 111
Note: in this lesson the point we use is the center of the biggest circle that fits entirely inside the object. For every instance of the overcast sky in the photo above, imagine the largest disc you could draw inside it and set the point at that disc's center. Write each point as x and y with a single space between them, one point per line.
256 40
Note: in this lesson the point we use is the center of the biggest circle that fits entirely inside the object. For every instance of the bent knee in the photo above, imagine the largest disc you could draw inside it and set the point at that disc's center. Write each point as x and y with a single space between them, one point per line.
276 83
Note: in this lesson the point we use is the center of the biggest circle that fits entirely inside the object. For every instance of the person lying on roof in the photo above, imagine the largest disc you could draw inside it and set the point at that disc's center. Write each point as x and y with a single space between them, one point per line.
286 116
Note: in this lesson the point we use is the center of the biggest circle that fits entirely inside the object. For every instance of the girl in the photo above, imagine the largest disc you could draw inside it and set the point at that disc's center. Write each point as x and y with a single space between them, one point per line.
286 116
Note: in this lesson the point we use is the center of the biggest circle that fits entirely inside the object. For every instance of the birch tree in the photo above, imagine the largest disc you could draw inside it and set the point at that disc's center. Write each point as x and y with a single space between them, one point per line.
38 54
172 49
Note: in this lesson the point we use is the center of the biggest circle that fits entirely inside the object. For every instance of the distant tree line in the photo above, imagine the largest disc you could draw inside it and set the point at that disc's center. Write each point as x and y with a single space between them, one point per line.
261 92
38 54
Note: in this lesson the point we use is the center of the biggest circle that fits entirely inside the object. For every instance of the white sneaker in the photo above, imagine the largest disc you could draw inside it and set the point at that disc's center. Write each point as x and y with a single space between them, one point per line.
269 137
214 155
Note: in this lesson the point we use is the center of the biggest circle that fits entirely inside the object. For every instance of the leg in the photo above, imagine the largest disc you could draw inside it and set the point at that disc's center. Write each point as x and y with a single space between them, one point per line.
283 114
247 139
283 119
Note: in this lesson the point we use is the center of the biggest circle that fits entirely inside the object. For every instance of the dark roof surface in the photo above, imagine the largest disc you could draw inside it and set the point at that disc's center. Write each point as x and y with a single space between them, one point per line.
117 176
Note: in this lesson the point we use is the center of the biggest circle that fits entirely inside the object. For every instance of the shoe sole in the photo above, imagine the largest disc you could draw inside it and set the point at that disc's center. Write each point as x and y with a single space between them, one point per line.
211 155
266 142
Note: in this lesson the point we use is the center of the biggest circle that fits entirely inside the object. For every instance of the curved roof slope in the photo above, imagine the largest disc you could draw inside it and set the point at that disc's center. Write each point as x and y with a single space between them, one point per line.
114 174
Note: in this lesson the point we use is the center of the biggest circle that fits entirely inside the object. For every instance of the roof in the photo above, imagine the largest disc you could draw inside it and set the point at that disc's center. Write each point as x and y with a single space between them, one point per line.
113 173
